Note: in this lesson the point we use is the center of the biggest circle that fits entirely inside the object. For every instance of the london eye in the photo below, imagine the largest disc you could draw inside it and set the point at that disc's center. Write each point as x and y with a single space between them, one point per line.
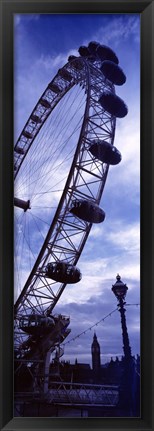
61 163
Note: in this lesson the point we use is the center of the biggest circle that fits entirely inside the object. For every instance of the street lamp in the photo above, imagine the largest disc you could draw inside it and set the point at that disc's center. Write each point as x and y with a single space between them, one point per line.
120 289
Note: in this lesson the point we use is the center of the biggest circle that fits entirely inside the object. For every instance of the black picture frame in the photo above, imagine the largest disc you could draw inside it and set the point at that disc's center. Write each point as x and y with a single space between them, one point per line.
7 9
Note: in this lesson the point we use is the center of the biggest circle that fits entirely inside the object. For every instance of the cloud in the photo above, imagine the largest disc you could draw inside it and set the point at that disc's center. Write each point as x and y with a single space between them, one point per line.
18 19
126 237
117 29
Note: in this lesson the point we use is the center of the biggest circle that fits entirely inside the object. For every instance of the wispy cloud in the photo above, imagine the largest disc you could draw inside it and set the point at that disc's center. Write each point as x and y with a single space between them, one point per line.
119 28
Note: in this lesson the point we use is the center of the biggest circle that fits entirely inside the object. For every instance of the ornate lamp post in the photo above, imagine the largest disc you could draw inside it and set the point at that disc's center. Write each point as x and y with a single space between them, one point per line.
120 289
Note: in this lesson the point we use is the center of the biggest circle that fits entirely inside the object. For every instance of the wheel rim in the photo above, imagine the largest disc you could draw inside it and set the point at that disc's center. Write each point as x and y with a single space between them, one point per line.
67 234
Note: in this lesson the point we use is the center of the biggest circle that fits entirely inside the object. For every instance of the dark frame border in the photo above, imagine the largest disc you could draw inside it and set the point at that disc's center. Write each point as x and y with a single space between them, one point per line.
7 9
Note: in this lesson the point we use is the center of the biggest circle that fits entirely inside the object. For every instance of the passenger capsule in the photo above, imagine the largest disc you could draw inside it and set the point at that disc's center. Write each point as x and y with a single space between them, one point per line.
113 104
92 47
113 72
65 74
106 53
45 103
63 272
36 324
88 211
36 119
84 51
27 134
54 87
75 62
19 150
105 152
72 57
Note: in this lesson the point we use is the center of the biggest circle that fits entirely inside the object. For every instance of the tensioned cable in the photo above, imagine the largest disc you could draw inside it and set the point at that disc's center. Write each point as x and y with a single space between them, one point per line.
126 305
94 325
54 168
67 157
39 218
49 120
44 130
91 327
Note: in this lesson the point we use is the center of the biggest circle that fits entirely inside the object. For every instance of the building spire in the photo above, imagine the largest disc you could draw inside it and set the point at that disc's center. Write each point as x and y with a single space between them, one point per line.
96 362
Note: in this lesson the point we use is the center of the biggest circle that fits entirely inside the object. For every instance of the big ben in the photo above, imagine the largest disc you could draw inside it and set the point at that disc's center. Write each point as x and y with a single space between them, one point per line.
95 350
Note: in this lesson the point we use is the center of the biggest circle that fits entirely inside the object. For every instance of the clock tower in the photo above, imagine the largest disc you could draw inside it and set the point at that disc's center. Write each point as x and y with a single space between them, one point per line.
95 350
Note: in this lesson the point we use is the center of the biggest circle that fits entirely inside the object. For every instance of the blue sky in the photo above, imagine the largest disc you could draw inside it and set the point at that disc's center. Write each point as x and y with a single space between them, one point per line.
42 44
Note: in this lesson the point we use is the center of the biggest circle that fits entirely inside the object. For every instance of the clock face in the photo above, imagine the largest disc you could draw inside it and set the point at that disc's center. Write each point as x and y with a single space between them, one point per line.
95 349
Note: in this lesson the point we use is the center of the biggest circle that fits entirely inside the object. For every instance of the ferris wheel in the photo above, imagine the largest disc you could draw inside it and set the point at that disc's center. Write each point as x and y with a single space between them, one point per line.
61 162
